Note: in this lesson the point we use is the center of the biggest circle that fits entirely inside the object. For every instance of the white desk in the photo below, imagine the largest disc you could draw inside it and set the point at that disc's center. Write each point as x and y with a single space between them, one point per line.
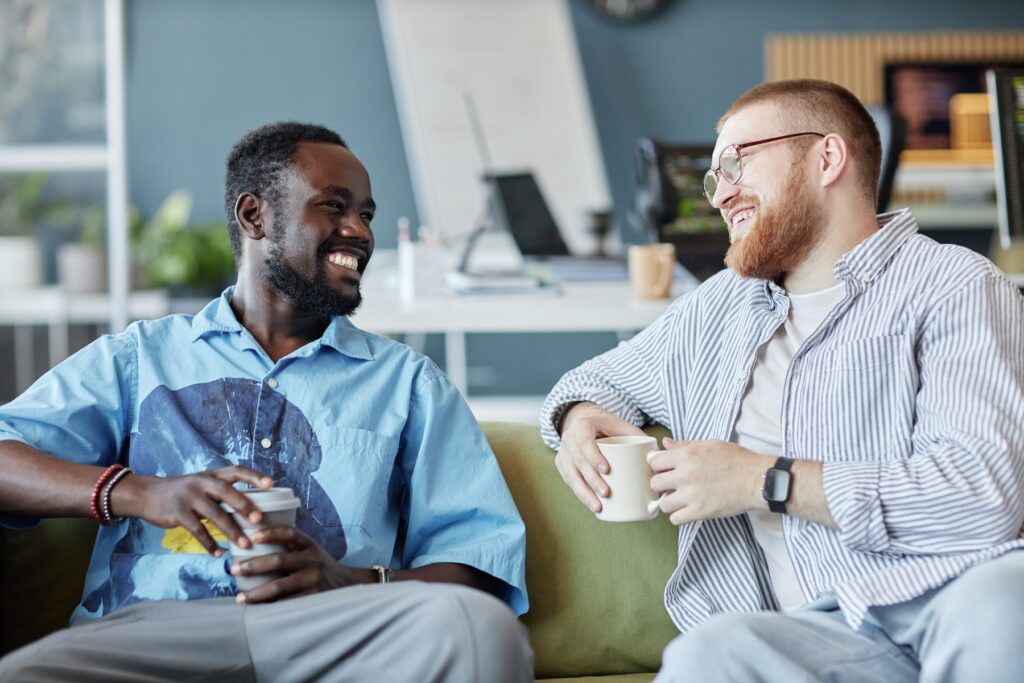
577 307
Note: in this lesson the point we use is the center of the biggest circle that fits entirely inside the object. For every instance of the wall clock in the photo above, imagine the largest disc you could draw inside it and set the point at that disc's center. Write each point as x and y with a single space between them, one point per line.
628 10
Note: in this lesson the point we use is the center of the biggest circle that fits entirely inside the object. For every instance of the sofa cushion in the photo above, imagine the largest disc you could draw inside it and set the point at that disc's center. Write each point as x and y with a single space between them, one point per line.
42 572
596 588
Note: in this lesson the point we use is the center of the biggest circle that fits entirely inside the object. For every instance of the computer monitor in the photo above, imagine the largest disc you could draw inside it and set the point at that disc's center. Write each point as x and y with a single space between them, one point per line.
520 208
669 204
1006 99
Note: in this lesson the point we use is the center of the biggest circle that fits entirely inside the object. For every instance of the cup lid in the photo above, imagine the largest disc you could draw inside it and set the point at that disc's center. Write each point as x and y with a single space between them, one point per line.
269 500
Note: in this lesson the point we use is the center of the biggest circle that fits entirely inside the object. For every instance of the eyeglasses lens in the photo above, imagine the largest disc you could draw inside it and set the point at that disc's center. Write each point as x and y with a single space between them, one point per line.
729 164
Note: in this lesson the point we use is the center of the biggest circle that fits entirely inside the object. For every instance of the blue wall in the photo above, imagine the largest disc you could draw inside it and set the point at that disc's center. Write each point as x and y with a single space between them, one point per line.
201 73
672 77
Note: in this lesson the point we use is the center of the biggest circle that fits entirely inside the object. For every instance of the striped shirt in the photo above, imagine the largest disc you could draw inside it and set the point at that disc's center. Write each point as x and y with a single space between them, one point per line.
909 392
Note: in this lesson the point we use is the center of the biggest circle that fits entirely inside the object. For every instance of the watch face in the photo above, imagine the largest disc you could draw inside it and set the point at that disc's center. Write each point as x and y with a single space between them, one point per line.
776 485
629 10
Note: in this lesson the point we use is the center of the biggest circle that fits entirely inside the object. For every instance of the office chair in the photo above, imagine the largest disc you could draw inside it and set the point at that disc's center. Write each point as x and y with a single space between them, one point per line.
892 130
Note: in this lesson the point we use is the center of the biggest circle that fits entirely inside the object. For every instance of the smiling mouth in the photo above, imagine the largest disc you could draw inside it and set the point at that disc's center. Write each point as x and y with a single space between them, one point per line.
742 217
344 260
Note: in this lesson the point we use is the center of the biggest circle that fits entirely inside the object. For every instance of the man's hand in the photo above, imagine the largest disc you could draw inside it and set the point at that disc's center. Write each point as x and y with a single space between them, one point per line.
186 501
579 460
308 568
704 479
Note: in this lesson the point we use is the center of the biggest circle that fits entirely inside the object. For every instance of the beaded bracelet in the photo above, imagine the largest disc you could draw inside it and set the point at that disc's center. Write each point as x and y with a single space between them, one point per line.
105 497
94 499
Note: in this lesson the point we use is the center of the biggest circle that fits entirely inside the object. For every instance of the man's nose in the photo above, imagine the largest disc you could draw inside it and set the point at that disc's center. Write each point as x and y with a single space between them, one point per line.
354 227
724 191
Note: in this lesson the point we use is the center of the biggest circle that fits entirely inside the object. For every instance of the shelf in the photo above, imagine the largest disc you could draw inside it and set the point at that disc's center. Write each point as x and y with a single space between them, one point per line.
52 158
929 158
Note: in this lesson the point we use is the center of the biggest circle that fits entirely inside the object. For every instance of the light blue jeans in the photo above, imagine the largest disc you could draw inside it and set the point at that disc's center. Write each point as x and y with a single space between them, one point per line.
969 630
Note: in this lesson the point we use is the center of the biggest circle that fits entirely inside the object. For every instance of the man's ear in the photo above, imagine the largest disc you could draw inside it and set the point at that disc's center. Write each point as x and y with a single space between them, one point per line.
249 212
832 160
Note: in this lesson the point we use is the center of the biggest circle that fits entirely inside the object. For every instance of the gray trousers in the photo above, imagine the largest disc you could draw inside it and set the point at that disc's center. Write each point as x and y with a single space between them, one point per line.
404 631
970 630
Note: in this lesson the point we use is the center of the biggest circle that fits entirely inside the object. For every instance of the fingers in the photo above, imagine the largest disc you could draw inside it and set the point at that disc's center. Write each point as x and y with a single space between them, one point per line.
224 521
244 474
571 476
289 536
235 498
194 525
297 583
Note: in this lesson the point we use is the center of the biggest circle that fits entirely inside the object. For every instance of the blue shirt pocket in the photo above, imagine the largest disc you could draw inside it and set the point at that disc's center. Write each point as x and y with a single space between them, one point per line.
352 491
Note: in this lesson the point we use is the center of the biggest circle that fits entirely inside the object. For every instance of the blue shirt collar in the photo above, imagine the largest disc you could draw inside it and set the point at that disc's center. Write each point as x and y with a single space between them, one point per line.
217 317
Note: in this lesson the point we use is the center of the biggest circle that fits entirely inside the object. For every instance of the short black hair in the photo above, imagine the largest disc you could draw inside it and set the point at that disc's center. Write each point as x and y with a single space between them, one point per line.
258 161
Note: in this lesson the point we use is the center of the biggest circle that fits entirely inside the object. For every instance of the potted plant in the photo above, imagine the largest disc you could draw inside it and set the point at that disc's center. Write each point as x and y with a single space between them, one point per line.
22 208
188 259
82 265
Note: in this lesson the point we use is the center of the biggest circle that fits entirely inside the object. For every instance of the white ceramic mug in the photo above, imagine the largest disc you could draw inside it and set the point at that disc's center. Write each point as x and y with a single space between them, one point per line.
631 498
278 506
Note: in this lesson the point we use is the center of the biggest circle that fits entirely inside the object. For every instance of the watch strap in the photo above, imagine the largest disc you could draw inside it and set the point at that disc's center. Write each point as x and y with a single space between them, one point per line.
384 574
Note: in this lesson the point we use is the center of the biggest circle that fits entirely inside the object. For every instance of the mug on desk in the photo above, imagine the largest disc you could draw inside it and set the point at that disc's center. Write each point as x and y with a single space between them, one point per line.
650 270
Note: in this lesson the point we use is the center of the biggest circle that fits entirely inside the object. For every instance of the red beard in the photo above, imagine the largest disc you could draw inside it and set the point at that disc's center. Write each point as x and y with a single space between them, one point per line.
783 235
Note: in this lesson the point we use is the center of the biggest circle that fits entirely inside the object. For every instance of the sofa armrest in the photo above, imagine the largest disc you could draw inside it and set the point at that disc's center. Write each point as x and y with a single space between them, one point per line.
42 572
596 588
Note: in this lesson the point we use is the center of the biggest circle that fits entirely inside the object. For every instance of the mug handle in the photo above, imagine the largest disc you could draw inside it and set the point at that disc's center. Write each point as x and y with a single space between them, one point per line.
655 505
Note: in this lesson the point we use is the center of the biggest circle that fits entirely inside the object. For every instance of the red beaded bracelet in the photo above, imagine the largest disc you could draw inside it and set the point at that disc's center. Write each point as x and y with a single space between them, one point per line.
94 500
105 496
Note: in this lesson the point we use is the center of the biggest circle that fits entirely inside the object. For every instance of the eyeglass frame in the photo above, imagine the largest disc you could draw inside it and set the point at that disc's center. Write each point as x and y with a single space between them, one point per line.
717 172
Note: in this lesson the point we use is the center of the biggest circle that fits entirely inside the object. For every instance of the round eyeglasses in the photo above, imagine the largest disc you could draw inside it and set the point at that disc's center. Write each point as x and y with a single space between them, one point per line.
730 164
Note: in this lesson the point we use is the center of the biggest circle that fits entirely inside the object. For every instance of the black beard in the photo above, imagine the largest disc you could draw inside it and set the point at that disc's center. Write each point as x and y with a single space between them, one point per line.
310 293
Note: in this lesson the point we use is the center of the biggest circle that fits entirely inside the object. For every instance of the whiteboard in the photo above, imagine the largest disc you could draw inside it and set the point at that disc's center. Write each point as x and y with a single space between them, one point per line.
519 61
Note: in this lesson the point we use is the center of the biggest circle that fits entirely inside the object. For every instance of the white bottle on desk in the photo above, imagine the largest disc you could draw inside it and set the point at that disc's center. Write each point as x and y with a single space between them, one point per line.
406 262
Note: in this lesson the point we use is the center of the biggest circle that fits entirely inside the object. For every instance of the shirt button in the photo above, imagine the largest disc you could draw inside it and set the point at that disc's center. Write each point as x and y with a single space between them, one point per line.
272 383
867 277
265 442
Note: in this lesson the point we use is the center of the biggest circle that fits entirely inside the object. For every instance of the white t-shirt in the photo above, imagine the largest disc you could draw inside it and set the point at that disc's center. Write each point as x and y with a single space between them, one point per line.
758 429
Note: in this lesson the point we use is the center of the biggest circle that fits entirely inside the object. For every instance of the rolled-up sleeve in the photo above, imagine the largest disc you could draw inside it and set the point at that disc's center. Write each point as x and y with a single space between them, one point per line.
962 488
79 411
458 507
623 381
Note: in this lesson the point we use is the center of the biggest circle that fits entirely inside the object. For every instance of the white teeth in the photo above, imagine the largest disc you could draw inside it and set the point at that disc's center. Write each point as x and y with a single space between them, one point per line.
344 260
742 216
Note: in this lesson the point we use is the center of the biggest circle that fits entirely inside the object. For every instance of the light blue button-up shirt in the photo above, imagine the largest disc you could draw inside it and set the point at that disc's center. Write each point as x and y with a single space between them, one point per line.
381 449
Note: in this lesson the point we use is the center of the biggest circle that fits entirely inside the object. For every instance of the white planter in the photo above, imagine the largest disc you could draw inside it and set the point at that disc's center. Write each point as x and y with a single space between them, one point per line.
81 268
21 263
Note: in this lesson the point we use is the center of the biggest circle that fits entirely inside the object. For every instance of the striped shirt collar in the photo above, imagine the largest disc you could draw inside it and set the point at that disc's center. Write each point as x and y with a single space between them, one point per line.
866 261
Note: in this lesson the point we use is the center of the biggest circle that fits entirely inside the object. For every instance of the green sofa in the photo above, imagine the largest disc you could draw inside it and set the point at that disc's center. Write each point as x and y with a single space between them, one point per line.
596 609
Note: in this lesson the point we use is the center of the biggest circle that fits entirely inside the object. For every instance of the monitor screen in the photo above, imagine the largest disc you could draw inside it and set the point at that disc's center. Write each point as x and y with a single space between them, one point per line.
920 94
522 210
1006 104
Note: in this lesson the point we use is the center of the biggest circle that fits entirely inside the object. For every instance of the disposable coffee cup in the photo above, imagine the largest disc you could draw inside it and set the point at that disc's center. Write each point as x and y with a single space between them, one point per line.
651 267
278 506
631 498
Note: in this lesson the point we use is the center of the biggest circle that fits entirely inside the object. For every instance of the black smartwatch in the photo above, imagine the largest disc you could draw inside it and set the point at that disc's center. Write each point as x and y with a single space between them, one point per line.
777 484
